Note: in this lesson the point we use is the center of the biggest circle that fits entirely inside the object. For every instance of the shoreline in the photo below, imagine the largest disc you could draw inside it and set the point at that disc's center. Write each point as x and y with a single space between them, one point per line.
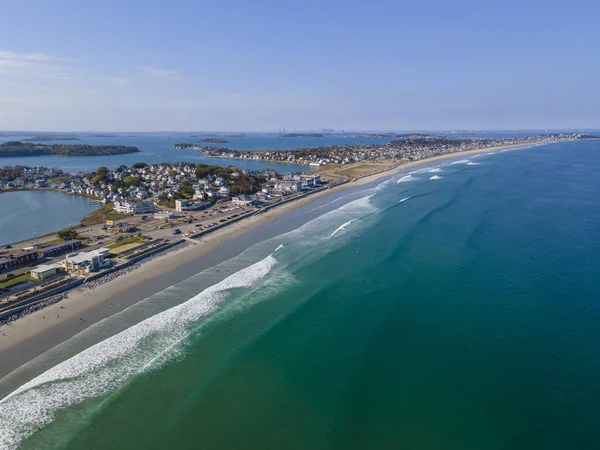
33 335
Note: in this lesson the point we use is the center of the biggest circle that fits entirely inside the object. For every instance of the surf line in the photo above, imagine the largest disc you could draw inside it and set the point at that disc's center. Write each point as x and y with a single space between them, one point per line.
341 227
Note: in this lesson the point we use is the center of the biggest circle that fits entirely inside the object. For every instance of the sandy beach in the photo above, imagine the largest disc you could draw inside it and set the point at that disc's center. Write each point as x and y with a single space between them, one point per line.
36 333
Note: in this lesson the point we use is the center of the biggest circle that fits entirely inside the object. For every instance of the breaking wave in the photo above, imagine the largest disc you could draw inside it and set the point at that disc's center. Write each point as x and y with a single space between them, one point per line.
472 164
341 227
435 170
461 161
435 177
107 365
403 200
406 179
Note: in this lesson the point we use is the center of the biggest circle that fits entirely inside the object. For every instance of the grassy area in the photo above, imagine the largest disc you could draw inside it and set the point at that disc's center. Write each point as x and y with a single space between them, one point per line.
356 169
126 241
7 282
102 214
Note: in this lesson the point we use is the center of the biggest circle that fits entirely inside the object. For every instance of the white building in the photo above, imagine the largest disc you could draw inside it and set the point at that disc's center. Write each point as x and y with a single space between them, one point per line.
134 208
44 271
88 261
243 200
185 205
288 186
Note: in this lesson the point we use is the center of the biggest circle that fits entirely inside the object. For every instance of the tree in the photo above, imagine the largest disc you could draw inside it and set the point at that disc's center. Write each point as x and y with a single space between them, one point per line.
131 181
67 234
102 171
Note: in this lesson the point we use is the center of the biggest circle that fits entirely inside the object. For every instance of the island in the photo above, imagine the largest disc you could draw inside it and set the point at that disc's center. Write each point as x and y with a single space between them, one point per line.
185 146
52 137
213 140
18 148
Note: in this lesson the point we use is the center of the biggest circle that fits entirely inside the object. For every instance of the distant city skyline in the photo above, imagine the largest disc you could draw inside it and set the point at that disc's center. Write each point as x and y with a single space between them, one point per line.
262 66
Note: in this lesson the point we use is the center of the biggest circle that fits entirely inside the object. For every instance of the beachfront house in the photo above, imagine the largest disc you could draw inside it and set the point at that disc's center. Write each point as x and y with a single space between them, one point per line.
244 200
288 186
87 262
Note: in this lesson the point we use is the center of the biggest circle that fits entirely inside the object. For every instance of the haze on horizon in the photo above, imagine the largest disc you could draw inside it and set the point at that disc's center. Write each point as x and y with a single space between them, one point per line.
254 66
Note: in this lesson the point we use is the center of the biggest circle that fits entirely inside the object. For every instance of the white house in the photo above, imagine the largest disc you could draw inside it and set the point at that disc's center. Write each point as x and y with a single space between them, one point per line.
243 200
288 186
88 261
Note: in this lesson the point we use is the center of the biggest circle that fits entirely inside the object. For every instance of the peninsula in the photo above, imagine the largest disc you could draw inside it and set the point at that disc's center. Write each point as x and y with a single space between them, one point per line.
52 137
404 148
18 148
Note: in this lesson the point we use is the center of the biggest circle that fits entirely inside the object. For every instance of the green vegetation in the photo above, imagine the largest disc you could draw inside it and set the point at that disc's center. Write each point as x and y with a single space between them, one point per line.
68 234
17 148
4 283
101 215
122 240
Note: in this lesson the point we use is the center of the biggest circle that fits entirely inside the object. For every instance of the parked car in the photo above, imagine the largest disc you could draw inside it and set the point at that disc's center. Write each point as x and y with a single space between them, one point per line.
176 231
7 246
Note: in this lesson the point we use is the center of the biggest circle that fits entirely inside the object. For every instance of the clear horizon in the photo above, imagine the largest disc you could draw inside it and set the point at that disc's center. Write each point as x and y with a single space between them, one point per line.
550 130
262 66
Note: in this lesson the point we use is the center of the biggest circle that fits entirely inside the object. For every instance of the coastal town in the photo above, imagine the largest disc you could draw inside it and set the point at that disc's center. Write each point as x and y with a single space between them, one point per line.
147 209
410 147
143 210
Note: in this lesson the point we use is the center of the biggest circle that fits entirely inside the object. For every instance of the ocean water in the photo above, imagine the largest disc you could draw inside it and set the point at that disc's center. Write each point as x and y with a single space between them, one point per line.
30 214
453 307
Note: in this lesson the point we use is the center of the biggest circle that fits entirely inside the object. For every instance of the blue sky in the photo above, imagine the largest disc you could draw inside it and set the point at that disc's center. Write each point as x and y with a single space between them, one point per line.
264 65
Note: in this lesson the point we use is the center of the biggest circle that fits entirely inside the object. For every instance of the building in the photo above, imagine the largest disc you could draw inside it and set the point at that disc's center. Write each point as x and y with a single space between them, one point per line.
243 200
185 205
22 259
134 208
164 215
44 271
59 249
7 263
88 261
288 186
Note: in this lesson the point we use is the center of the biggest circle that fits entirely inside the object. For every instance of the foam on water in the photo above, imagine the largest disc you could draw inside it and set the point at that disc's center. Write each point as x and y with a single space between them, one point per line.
407 178
107 365
341 227
461 161
435 177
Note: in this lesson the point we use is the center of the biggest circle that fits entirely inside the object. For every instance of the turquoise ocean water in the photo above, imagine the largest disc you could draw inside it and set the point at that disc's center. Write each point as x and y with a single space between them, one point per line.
454 307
